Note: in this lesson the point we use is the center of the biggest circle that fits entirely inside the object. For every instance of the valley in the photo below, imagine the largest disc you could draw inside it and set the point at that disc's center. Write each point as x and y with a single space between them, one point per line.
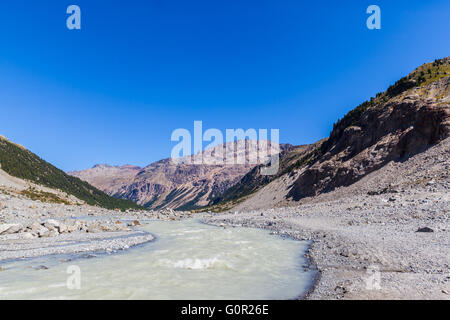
361 214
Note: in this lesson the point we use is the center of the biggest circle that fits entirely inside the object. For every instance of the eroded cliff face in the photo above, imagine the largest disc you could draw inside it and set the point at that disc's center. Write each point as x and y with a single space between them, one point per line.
395 129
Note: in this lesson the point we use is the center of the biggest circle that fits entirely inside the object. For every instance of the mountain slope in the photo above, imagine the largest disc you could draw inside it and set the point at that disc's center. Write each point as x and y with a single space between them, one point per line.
395 125
411 116
109 179
21 163
182 185
290 158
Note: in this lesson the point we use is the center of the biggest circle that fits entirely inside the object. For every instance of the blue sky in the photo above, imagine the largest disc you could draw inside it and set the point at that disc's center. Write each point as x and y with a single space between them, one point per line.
114 91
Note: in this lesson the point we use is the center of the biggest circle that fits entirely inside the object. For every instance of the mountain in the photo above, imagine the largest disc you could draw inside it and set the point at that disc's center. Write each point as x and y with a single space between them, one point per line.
290 158
408 118
17 161
109 179
178 185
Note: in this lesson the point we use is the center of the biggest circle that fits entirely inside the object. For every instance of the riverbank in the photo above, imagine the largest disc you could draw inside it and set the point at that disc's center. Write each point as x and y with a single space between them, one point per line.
367 247
190 260
386 236
12 248
356 232
33 228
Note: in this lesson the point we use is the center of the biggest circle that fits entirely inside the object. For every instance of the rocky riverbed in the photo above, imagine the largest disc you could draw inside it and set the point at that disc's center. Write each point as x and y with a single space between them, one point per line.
402 237
33 228
384 237
404 243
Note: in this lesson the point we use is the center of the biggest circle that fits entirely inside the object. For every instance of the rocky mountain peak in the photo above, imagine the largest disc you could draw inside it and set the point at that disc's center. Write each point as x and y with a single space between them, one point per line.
186 183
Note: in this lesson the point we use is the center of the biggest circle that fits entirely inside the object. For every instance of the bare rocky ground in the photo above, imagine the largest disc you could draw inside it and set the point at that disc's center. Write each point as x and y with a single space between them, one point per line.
372 225
33 228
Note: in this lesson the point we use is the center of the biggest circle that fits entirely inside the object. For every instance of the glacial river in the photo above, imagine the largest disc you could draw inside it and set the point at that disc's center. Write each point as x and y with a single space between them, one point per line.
188 260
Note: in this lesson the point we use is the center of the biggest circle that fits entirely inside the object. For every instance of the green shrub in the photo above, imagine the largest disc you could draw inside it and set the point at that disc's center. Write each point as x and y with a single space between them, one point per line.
21 163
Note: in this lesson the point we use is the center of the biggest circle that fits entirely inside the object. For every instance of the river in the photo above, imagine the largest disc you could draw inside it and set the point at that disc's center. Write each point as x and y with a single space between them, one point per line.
188 260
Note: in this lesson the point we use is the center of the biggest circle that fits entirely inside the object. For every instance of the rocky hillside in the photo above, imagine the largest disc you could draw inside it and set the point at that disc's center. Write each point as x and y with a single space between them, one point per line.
182 185
17 161
408 118
109 179
290 158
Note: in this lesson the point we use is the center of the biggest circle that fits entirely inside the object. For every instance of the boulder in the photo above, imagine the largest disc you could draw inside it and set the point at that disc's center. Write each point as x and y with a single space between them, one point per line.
108 227
51 224
10 228
72 228
425 229
28 235
43 232
41 267
93 228
35 226
53 233
63 228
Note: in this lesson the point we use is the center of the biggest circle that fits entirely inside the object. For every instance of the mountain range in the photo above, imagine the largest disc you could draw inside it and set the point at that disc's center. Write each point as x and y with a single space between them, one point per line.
178 185
409 117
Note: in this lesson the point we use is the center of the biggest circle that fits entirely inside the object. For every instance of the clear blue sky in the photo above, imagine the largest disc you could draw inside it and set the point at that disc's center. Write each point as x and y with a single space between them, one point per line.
114 91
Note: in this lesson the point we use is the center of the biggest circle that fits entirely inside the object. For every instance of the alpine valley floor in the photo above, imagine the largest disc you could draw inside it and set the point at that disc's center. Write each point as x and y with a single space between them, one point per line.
352 230
373 225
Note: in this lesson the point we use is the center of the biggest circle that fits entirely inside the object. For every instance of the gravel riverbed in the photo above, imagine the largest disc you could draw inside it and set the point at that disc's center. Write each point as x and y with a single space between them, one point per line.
385 237
32 228
367 247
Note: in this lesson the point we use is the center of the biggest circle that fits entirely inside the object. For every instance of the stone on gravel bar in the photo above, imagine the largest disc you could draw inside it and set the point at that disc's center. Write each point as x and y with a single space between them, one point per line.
10 228
425 229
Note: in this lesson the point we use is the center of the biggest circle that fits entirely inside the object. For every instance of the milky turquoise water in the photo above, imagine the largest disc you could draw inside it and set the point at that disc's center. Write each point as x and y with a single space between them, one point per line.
188 260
